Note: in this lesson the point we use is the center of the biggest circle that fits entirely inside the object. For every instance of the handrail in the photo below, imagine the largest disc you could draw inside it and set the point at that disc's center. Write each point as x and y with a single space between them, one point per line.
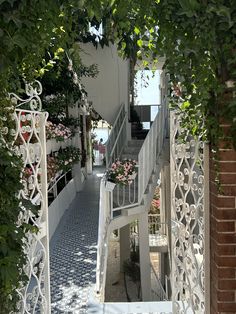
151 150
52 184
114 146
147 165
102 246
117 137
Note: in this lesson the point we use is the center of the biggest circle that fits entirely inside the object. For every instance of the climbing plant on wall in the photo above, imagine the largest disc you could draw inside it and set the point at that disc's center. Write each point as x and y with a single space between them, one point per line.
197 39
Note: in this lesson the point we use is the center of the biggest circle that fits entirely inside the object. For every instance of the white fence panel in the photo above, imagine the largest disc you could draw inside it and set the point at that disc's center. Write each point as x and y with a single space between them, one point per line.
188 218
30 145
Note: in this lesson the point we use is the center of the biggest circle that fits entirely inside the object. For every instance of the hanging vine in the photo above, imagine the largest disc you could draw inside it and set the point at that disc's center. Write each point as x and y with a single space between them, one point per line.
196 37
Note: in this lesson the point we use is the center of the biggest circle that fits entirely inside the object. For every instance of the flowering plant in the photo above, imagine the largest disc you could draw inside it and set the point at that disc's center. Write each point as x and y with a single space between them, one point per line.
57 131
52 167
122 171
67 157
155 204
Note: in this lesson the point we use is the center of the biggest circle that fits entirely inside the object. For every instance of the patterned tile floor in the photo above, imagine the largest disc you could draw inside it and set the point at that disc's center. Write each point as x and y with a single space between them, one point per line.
73 251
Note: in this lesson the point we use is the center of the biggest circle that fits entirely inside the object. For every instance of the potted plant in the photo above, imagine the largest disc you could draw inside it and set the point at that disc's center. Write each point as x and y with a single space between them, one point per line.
122 172
68 157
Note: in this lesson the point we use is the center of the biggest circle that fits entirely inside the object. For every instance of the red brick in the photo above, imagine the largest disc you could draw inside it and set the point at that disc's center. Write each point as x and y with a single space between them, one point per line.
223 201
224 214
227 178
225 166
227 284
226 296
223 190
213 188
225 144
222 226
222 249
226 272
227 155
229 190
229 307
225 226
222 238
213 175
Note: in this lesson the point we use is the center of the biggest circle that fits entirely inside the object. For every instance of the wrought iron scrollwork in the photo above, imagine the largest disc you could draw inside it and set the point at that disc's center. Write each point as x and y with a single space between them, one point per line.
33 91
30 145
188 232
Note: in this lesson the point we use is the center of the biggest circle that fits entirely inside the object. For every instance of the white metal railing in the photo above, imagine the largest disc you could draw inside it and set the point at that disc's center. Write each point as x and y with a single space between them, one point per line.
124 196
102 247
151 150
117 138
52 186
158 292
154 223
30 145
131 195
189 215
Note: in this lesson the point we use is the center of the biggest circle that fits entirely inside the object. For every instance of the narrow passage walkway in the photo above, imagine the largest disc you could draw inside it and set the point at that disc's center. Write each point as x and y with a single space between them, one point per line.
73 250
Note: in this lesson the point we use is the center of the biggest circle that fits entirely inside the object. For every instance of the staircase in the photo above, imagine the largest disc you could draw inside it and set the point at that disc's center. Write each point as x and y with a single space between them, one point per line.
125 203
132 149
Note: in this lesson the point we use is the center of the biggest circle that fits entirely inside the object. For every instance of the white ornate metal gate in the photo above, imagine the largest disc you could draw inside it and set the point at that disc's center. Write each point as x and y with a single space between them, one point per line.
30 144
189 228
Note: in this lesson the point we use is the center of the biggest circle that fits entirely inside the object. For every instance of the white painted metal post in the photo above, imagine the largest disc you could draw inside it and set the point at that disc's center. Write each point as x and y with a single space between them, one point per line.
45 239
89 163
206 203
145 264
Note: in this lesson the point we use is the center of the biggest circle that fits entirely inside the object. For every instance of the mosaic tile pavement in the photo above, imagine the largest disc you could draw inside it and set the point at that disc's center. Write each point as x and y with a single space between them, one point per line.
73 251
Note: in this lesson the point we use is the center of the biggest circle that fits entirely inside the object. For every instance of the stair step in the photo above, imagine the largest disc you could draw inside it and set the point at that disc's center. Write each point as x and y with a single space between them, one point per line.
135 143
131 150
130 156
139 134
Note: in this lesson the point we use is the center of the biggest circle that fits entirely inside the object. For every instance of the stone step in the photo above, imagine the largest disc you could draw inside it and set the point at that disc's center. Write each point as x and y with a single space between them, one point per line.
131 150
135 143
130 156
139 134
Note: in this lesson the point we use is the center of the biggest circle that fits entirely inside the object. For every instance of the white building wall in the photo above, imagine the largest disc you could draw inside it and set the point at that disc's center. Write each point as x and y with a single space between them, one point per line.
110 88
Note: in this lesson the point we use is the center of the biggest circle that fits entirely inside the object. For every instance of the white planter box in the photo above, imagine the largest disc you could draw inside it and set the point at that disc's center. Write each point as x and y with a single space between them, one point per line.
52 146
110 186
58 207
49 147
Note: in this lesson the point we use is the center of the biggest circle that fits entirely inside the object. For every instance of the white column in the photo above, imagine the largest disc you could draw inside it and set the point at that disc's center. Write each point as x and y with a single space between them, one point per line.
145 264
124 245
89 163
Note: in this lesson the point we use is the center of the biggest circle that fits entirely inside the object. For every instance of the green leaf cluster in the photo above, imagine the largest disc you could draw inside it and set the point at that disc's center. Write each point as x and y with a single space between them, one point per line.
11 236
198 40
34 36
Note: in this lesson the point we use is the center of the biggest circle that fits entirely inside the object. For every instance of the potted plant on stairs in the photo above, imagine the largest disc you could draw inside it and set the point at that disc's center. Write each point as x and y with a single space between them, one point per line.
122 172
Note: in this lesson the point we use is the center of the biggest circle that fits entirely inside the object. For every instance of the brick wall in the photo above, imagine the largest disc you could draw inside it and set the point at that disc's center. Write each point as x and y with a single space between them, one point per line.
223 232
